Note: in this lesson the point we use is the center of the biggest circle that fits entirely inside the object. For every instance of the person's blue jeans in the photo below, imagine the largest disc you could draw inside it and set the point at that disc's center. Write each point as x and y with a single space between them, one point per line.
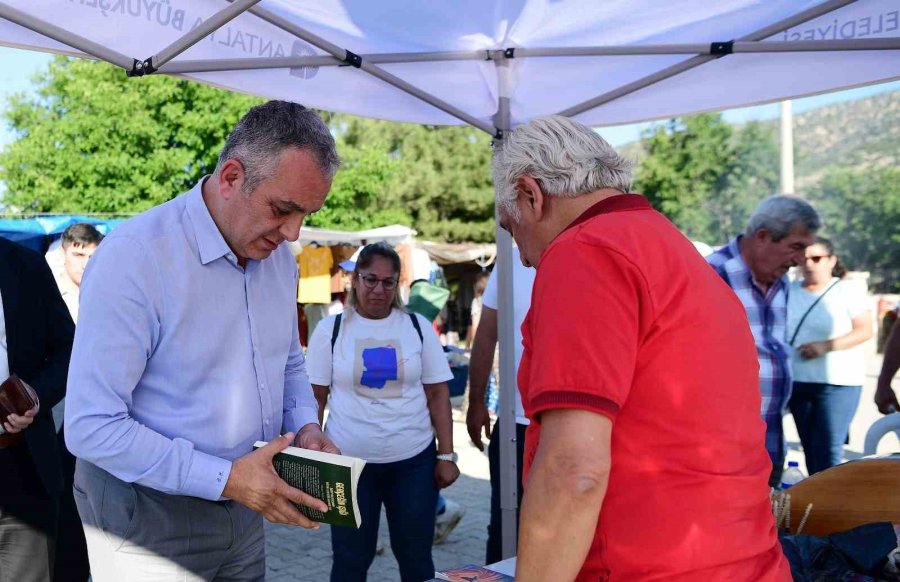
822 413
407 490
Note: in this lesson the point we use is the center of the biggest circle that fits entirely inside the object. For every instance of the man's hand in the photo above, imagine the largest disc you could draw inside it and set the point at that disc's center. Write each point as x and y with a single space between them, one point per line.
254 483
16 422
311 437
478 418
813 350
445 473
886 400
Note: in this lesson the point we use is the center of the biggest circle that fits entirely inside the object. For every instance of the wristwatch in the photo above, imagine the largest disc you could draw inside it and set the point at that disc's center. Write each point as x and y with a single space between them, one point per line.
452 457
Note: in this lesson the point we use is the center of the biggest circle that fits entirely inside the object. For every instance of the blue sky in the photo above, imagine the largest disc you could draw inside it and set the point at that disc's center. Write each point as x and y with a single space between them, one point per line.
17 68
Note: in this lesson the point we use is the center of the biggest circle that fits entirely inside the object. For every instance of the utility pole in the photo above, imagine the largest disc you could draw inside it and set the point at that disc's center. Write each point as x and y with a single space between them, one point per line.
787 148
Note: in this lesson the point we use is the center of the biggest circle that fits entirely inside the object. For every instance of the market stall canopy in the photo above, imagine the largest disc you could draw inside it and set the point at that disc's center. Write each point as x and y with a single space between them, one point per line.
37 233
482 254
466 61
394 235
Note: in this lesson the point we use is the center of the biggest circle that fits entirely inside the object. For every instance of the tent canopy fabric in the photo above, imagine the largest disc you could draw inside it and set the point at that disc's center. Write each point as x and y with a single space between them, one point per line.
595 61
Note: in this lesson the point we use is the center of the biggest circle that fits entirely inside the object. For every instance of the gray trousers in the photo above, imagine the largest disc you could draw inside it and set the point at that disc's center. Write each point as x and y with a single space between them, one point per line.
27 519
26 550
135 533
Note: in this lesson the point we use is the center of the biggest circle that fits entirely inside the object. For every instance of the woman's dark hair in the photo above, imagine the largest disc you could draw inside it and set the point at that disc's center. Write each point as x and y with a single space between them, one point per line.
364 261
839 269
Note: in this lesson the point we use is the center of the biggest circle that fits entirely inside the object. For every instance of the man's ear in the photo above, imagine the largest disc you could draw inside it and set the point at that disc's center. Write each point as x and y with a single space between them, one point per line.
762 236
528 189
231 178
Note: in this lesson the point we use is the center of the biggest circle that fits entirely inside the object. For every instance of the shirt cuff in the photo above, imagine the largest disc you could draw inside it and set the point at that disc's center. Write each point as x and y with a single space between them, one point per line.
206 477
551 400
297 418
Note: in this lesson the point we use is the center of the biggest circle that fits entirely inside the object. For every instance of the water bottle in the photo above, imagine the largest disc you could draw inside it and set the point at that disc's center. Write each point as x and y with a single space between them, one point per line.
792 476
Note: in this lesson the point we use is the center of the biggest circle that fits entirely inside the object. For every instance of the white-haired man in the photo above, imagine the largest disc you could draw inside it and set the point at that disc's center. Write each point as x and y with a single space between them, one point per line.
755 266
639 377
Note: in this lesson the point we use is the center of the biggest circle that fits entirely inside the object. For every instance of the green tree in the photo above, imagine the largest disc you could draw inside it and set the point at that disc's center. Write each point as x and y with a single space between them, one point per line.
706 175
688 162
92 140
440 177
752 176
861 214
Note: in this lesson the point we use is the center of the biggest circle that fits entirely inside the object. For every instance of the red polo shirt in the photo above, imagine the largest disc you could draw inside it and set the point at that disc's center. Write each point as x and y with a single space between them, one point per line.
627 320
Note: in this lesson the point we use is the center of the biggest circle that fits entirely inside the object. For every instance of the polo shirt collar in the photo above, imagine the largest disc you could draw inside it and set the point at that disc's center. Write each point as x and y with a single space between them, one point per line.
210 242
617 203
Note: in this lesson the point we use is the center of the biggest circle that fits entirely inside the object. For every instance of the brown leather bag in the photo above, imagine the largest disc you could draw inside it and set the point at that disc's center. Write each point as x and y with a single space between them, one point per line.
15 398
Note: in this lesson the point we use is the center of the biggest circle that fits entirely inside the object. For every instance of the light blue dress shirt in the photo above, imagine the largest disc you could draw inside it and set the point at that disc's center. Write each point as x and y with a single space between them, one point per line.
183 359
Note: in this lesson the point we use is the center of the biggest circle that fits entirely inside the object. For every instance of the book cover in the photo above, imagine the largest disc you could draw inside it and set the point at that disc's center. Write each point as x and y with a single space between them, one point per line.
331 478
473 573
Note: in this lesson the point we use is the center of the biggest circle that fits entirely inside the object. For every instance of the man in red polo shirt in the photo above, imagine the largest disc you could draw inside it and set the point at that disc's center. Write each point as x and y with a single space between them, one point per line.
645 459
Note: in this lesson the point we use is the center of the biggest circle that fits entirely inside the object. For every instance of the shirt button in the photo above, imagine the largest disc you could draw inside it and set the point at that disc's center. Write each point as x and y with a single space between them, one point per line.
267 423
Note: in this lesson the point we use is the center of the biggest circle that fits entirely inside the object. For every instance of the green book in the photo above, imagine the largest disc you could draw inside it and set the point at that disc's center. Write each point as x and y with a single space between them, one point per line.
329 477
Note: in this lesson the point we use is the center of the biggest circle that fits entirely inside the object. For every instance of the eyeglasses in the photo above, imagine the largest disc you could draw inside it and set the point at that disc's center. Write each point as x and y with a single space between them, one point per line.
816 258
371 281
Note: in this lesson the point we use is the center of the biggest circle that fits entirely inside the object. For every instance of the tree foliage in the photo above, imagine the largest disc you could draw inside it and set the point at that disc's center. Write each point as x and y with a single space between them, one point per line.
707 175
861 214
92 140
436 179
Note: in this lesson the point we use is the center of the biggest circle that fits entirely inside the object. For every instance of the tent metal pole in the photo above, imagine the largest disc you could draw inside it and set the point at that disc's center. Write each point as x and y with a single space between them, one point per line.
211 24
201 66
509 502
205 66
356 61
65 37
694 62
854 44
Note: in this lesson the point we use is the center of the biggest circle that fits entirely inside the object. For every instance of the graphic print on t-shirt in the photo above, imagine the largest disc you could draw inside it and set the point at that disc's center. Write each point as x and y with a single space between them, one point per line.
377 371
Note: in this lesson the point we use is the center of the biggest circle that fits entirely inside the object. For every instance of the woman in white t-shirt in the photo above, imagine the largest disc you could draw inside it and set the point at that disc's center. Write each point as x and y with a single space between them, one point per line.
384 376
827 322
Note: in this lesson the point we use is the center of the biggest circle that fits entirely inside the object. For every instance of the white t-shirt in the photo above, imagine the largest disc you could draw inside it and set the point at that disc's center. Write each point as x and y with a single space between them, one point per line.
523 281
830 318
377 407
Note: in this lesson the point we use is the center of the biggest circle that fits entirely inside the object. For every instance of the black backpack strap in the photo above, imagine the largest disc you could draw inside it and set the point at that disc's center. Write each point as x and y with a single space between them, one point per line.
415 322
335 331
816 302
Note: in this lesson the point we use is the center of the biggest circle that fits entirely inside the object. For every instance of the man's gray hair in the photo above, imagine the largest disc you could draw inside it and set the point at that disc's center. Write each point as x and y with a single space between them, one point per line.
565 157
264 132
782 213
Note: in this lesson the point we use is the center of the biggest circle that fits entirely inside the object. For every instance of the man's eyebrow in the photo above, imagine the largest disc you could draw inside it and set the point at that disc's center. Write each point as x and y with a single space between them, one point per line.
288 206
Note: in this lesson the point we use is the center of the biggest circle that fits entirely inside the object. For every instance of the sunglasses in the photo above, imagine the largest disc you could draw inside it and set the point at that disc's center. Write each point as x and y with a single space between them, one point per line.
816 258
371 281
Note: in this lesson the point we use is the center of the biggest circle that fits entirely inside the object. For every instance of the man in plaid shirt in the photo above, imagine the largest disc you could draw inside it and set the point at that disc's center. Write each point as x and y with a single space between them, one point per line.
755 265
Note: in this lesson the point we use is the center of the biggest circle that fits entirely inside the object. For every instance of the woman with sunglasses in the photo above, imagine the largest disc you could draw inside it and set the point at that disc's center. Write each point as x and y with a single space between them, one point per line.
384 376
826 324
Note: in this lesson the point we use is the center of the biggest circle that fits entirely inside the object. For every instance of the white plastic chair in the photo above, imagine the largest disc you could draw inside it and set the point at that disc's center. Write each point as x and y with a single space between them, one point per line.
879 428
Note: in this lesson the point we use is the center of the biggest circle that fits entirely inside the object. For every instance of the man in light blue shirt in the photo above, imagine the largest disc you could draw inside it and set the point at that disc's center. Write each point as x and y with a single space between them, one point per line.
187 352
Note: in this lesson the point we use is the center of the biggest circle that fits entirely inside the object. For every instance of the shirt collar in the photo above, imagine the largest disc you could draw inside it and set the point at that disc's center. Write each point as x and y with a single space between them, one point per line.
617 203
210 242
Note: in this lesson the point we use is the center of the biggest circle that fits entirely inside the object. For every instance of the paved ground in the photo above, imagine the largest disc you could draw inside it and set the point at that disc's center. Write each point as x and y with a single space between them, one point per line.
296 554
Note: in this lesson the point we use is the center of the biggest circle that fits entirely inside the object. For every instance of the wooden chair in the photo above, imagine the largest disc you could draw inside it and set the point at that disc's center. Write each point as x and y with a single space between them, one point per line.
848 495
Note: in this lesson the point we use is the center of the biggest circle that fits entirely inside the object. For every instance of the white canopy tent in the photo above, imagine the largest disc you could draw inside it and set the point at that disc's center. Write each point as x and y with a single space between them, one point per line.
490 64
